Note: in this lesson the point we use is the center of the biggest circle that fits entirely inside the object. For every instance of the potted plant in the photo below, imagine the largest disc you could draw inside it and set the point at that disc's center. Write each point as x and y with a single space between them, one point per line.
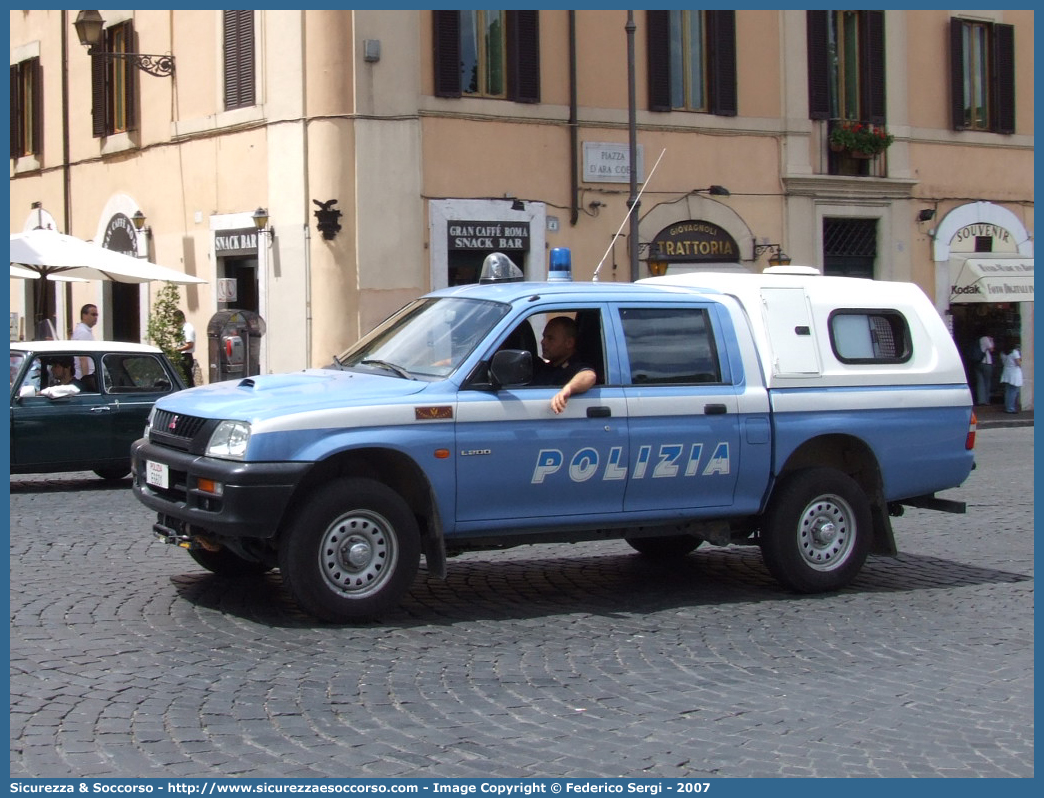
860 139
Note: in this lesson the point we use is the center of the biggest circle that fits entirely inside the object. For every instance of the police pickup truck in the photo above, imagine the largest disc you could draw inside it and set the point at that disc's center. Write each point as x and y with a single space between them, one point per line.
794 412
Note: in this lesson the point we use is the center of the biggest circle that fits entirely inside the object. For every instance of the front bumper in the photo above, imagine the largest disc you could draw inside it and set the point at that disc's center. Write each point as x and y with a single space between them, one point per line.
251 504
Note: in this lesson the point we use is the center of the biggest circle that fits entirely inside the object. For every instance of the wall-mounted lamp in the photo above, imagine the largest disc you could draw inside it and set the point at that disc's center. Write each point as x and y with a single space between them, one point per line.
139 223
926 214
89 25
657 268
714 191
778 256
518 205
260 217
327 217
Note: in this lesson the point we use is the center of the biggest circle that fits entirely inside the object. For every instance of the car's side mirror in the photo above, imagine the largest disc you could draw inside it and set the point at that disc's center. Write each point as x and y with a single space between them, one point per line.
26 390
511 368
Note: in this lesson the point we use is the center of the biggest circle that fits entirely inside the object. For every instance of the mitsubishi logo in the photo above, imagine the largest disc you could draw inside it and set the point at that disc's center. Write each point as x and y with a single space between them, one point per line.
173 423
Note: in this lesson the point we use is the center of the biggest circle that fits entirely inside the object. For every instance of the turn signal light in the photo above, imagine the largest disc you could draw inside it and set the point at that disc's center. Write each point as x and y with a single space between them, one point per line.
969 442
209 486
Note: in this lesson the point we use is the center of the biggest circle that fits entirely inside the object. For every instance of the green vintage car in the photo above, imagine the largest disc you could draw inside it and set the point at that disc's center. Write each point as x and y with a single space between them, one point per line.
56 428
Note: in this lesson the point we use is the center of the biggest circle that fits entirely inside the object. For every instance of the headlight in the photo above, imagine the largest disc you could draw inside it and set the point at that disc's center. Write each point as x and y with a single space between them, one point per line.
229 440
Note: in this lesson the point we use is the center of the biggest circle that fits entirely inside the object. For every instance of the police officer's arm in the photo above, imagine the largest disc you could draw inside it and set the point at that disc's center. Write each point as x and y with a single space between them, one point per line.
581 381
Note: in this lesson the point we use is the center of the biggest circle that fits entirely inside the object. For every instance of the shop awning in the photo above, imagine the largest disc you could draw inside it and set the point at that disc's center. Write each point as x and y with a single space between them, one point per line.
991 279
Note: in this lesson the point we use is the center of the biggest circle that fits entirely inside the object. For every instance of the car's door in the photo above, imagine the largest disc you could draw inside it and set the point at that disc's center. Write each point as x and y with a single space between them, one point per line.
682 408
48 432
519 463
132 383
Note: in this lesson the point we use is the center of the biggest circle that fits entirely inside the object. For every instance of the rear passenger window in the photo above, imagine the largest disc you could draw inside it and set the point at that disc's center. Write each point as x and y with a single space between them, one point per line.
870 336
670 346
134 374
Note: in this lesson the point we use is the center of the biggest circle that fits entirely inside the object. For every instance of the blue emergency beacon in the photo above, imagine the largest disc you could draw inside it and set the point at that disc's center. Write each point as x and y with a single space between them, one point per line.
560 266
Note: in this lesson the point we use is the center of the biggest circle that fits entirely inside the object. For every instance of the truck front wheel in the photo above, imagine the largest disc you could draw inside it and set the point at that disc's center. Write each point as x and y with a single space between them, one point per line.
352 551
816 531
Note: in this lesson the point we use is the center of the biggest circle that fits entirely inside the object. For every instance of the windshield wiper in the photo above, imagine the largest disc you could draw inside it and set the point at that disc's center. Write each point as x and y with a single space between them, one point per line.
384 364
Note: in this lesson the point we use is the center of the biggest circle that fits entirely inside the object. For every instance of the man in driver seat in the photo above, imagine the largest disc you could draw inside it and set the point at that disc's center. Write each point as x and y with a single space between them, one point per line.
558 347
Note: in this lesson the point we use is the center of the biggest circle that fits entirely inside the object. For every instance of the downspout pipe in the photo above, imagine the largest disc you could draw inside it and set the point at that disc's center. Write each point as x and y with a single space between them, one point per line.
574 128
66 168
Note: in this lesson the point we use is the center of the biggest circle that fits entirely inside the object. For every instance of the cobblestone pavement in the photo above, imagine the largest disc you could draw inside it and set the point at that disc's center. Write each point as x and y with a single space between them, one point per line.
563 660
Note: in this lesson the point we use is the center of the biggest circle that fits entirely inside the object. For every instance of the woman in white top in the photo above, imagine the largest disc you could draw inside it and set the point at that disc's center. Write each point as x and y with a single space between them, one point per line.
1011 376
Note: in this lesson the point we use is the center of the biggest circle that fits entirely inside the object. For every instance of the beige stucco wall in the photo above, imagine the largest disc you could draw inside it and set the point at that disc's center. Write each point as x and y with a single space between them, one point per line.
372 135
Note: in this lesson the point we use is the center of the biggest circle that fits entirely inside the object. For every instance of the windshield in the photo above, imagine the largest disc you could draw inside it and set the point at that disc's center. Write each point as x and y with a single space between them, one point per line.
427 339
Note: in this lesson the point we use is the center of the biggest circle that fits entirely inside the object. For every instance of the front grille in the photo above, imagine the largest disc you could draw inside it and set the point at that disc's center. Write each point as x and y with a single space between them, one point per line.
178 431
177 425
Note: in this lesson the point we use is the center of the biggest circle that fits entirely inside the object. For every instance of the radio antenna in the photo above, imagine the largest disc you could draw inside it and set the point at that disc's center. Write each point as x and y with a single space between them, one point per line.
627 216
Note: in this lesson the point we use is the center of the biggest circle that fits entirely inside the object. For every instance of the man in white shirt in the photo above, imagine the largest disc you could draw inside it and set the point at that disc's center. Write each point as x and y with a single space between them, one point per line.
84 331
188 348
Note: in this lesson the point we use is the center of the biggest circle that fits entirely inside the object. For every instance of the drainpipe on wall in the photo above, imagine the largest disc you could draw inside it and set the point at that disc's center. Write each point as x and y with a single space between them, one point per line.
574 128
66 174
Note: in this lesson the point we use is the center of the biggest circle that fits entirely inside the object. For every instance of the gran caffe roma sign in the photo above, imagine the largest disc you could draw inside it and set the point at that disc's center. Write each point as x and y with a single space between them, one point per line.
693 241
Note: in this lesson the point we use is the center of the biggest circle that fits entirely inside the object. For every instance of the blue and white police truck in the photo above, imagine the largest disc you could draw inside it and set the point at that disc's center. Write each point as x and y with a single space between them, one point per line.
790 411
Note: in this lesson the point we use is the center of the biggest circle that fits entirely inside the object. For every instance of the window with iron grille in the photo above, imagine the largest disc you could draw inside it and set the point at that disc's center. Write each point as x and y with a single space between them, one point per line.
849 247
692 61
239 59
113 83
982 75
492 54
26 108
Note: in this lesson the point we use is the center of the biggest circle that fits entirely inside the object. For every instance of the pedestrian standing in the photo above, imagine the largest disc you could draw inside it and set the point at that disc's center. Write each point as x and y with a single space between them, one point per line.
187 348
84 331
1011 376
984 370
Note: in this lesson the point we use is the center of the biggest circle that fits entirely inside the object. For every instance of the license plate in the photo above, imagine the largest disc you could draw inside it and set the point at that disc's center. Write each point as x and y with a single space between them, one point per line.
157 474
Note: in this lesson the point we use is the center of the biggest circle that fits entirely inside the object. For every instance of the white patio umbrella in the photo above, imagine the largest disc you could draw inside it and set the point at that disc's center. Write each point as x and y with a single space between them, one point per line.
46 253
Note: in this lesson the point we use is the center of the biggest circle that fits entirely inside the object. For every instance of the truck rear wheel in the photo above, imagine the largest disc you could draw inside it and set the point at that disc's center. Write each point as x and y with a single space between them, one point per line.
352 552
816 531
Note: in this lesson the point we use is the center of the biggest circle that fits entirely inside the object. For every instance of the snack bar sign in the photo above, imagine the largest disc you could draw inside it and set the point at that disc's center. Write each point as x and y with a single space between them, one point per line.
488 236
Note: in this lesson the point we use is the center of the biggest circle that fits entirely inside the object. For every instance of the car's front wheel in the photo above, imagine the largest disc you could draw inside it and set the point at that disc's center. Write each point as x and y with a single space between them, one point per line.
816 531
112 474
352 552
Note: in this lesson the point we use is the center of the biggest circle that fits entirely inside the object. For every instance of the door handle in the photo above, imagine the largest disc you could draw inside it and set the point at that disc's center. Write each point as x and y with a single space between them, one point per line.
101 409
715 410
599 412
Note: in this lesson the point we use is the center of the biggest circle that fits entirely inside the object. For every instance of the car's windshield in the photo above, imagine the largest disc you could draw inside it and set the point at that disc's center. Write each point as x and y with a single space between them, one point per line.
427 339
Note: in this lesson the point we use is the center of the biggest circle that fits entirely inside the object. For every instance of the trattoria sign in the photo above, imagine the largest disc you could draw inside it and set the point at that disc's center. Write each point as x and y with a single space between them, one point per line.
488 236
692 242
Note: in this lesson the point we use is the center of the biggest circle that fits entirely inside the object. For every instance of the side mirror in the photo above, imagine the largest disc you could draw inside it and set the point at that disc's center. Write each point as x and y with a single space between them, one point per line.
511 368
26 390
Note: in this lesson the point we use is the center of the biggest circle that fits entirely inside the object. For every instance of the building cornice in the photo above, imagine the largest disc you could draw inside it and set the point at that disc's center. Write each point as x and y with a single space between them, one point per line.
844 187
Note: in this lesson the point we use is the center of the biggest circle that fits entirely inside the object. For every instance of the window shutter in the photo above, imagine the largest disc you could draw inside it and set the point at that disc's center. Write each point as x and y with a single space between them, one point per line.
523 52
239 59
99 106
721 39
957 73
658 24
37 109
446 27
1004 78
131 76
816 23
873 67
16 113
